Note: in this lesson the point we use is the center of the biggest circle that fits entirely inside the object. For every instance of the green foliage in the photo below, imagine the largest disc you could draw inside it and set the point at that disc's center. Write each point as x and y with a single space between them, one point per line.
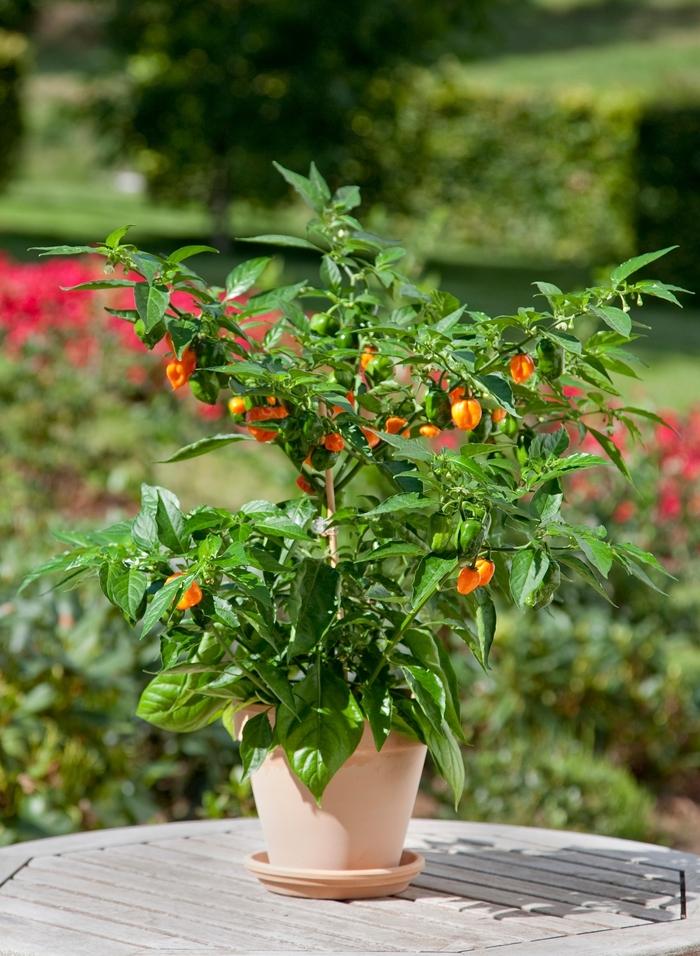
298 606
181 59
557 784
12 51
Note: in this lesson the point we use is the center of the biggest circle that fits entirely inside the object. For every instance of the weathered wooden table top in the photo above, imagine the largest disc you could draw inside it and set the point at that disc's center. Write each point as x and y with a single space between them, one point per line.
181 889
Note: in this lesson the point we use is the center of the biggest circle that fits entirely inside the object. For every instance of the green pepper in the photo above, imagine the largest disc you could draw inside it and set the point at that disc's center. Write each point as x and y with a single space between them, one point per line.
348 339
509 426
321 458
437 407
470 535
323 324
344 377
379 368
443 532
550 359
205 387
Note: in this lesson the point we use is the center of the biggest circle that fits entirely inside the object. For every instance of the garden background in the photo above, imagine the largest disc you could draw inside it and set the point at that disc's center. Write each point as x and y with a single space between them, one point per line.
519 140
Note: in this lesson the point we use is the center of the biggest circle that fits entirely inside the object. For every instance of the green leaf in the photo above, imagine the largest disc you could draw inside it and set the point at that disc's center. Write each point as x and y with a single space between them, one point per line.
611 450
406 502
144 530
660 290
128 590
186 252
546 501
256 742
293 242
163 600
63 250
615 318
313 604
497 386
116 236
429 692
280 526
378 707
347 197
446 752
626 269
203 447
430 574
313 191
245 275
391 550
169 702
324 733
527 572
171 522
151 303
599 552
100 284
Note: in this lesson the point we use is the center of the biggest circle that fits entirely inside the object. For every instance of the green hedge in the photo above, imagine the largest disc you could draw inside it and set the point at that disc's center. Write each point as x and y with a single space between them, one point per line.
12 50
566 174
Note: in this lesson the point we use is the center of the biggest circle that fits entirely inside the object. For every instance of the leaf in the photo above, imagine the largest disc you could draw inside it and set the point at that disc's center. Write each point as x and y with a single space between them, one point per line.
446 752
626 269
151 303
391 550
347 197
430 574
293 242
527 572
144 530
611 450
203 447
546 501
615 318
100 284
169 703
171 522
485 624
116 236
428 690
186 252
412 501
497 386
378 707
313 191
128 591
281 526
256 742
325 731
245 275
313 604
599 552
63 250
163 600
660 290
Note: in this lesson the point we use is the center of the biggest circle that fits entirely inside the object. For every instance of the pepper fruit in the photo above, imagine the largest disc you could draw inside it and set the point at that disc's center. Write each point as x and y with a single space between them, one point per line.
394 424
443 533
485 569
379 368
469 534
497 415
437 407
237 405
179 371
466 414
521 368
457 393
323 324
304 485
321 458
429 431
372 438
368 354
262 434
550 359
334 442
467 580
193 595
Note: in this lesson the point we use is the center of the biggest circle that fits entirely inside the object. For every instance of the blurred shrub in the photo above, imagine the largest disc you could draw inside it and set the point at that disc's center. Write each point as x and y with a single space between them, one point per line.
558 785
570 174
12 51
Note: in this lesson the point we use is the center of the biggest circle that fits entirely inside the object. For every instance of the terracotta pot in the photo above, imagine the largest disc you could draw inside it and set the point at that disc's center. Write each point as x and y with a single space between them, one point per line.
364 813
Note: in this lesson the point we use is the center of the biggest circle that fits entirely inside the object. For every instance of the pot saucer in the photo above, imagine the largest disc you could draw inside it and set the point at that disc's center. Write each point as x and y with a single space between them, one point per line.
335 884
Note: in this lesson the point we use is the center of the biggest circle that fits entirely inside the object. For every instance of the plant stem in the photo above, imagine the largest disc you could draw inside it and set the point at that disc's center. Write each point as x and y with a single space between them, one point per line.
330 511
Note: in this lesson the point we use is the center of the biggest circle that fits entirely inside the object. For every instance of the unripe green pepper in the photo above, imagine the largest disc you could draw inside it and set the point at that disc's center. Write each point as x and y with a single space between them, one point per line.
323 324
205 387
443 533
348 339
437 407
509 426
470 535
550 359
344 377
546 591
321 458
379 368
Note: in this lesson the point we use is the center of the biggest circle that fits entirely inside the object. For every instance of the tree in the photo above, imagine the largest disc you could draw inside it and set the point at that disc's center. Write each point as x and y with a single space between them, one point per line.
218 88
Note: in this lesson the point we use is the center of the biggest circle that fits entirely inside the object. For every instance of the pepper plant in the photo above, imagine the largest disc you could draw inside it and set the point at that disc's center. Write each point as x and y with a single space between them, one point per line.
333 608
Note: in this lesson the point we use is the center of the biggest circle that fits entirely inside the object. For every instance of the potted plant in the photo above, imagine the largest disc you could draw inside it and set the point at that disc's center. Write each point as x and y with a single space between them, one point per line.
432 445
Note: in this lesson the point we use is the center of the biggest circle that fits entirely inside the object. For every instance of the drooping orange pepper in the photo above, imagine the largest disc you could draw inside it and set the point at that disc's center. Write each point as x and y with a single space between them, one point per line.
485 569
466 414
521 368
467 580
192 596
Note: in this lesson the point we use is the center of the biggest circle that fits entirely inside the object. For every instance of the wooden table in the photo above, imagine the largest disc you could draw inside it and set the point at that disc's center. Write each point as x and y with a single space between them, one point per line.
511 891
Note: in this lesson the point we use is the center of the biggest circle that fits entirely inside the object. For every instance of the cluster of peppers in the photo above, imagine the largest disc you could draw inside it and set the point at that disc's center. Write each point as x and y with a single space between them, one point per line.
442 409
